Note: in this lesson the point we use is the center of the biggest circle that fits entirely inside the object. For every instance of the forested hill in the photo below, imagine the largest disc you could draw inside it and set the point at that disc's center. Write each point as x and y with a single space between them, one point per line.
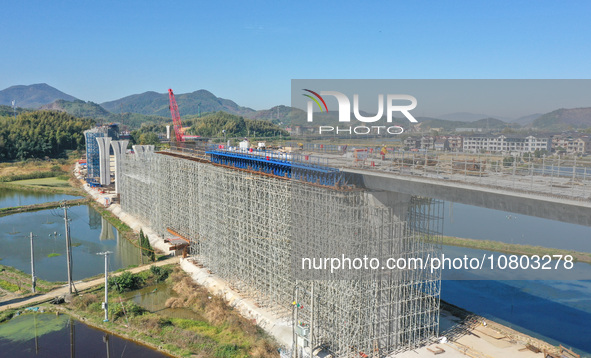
78 108
213 125
7 111
41 133
92 110
153 103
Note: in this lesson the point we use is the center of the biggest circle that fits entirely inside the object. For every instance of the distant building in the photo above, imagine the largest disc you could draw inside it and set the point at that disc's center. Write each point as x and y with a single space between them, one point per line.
412 142
455 143
506 144
428 142
442 144
472 130
572 143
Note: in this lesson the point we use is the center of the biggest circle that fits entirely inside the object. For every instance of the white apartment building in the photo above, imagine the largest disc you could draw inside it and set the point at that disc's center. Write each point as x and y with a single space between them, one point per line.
506 144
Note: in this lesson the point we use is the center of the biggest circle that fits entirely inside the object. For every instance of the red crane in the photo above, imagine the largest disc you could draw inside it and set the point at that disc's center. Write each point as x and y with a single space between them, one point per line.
176 117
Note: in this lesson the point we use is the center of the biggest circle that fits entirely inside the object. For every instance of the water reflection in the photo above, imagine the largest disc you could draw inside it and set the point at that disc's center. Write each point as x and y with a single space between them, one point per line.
50 248
153 298
474 222
94 218
48 335
554 310
15 197
106 230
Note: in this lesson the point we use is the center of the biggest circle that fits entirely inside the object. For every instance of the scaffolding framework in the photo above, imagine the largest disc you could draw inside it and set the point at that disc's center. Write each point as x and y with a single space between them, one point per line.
251 229
92 153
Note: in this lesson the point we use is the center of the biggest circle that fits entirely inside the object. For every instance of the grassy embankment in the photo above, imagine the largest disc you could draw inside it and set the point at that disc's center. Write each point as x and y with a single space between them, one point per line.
514 249
41 206
216 329
15 283
51 176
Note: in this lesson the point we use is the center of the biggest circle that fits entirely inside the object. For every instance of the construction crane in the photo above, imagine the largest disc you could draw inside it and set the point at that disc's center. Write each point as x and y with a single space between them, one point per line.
176 117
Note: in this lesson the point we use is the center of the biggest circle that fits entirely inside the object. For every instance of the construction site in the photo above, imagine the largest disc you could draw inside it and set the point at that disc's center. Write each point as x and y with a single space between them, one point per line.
248 217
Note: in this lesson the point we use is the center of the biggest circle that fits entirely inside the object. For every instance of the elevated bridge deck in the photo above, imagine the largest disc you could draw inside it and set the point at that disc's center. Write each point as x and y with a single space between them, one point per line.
562 193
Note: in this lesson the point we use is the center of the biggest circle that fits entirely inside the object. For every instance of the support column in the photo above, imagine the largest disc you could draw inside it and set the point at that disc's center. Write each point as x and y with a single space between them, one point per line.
141 150
119 147
104 160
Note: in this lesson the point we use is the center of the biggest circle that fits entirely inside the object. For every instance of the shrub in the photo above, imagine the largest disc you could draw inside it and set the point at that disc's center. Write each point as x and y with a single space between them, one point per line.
9 286
226 350
120 309
508 161
160 274
84 301
125 282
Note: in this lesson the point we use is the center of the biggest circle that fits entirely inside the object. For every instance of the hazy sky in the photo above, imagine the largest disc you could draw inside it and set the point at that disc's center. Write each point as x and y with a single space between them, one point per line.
249 51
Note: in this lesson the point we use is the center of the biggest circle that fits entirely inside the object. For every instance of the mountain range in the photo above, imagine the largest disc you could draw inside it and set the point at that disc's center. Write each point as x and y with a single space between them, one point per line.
153 107
33 96
153 103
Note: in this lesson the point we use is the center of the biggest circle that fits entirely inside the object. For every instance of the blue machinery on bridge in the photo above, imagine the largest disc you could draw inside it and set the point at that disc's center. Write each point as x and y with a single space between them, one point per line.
287 165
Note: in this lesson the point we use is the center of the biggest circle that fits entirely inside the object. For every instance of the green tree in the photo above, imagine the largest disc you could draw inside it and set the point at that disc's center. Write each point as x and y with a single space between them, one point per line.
213 125
508 161
146 247
41 134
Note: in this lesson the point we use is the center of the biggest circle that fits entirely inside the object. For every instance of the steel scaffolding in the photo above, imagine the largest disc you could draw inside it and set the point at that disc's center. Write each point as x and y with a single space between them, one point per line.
251 229
92 152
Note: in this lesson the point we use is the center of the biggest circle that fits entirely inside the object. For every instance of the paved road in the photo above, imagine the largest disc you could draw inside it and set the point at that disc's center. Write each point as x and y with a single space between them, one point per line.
81 286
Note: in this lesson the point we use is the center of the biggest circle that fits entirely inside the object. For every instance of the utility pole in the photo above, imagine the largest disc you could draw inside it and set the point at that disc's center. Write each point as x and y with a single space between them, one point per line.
105 304
14 108
68 246
33 278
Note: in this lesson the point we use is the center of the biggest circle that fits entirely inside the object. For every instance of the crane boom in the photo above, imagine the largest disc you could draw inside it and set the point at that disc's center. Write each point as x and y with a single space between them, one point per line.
176 117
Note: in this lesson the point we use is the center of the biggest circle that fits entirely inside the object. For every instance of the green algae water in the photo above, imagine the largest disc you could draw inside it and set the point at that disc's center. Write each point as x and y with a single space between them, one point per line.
47 335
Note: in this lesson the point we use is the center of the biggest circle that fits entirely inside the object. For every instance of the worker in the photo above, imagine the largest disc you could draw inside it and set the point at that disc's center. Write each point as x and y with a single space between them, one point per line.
383 151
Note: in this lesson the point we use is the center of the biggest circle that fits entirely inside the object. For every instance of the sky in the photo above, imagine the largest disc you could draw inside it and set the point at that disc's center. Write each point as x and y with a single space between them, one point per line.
249 51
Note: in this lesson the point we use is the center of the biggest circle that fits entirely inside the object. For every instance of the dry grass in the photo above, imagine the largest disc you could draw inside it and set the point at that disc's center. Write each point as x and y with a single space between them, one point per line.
219 331
83 301
33 166
219 314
